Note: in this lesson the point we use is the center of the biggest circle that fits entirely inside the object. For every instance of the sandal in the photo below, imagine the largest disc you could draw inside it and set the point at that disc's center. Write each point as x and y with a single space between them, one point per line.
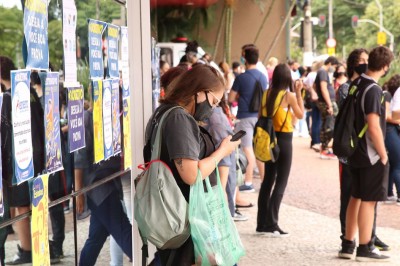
245 206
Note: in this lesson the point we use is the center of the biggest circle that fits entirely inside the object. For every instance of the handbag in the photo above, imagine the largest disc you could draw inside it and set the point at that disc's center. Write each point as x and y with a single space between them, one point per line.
214 234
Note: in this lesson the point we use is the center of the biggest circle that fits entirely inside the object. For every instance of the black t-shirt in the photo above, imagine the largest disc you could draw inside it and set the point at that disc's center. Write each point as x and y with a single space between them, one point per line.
322 75
370 99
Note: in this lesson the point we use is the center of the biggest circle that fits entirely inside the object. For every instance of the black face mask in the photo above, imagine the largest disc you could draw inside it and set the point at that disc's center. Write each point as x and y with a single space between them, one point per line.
203 110
386 72
361 68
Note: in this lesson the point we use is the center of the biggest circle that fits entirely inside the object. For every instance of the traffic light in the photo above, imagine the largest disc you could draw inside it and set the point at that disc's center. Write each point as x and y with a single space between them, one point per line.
354 21
322 20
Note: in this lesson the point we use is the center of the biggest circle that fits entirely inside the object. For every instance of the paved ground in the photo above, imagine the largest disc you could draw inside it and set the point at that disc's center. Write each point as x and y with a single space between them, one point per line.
309 213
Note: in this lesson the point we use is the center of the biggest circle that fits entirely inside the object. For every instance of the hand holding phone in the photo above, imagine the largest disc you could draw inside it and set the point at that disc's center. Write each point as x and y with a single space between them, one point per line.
238 135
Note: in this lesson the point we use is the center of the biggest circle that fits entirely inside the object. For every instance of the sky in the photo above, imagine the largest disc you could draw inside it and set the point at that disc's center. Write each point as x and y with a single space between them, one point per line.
11 3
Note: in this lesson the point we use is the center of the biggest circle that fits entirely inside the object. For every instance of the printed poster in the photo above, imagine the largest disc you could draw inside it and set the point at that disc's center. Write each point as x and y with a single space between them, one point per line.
125 61
107 119
1 168
52 124
116 122
98 120
39 222
112 45
96 29
35 31
127 133
21 119
76 127
69 41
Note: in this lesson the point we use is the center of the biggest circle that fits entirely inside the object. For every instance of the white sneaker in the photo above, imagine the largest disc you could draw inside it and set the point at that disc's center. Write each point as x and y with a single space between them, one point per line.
391 200
239 217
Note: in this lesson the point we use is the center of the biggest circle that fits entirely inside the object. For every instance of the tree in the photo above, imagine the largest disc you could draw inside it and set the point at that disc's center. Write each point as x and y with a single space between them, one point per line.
11 33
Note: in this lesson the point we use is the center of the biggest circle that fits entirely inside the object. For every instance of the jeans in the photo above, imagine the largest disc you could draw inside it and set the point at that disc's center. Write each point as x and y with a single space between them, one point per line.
106 219
392 142
274 184
316 125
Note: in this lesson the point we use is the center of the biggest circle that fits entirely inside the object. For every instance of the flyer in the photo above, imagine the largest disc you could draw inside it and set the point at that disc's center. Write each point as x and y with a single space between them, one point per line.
116 122
1 168
98 120
107 119
127 133
125 61
112 52
76 127
96 65
35 31
39 222
52 124
21 120
69 41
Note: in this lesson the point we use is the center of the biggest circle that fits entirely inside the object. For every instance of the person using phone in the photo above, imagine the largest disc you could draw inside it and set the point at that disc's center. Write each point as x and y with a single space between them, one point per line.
279 103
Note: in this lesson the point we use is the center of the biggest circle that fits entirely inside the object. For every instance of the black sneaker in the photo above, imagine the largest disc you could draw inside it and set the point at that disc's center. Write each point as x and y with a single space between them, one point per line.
347 250
56 253
272 232
366 253
381 245
22 256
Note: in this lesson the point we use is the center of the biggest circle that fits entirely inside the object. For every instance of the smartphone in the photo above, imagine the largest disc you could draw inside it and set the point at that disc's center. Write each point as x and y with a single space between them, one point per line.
238 135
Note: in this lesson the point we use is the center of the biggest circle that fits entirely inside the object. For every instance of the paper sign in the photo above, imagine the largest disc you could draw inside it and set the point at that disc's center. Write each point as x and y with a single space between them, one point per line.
107 119
76 127
69 41
127 133
116 117
96 29
112 51
98 120
125 61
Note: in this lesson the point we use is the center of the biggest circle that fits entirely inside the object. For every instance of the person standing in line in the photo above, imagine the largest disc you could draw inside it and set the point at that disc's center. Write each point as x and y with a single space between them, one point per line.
278 102
357 64
326 105
339 77
242 91
369 162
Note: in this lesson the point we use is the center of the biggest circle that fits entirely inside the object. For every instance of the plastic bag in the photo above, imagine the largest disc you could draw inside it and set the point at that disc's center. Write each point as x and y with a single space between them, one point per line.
241 164
215 237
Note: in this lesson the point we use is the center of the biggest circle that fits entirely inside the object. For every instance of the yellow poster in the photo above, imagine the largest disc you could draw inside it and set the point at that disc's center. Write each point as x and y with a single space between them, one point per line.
127 134
39 227
98 120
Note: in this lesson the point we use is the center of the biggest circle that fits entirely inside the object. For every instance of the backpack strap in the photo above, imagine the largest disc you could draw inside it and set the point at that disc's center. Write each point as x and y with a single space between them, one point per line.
364 129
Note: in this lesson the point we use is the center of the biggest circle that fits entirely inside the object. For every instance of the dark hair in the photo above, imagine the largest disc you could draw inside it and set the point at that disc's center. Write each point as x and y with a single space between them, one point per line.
247 46
199 78
251 56
35 79
379 58
192 47
337 70
302 71
353 59
281 80
235 65
171 74
333 60
392 84
6 65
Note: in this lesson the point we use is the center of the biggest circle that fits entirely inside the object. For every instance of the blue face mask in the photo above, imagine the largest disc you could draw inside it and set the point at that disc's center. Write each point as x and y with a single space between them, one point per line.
242 60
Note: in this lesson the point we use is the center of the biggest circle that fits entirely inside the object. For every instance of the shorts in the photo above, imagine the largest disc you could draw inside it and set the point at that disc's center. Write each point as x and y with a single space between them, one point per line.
370 183
246 124
19 196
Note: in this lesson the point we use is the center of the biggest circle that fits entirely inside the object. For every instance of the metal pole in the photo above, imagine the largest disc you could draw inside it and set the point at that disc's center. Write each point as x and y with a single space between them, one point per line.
330 34
383 29
380 15
307 36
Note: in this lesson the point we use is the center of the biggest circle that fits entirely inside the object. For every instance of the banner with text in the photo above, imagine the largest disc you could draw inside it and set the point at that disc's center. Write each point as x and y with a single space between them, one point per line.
52 123
21 119
76 127
98 120
116 117
107 119
35 31
125 61
39 223
112 51
96 29
127 133
69 41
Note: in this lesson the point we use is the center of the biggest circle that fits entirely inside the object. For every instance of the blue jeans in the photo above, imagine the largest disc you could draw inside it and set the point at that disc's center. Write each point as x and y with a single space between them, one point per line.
392 142
106 219
316 125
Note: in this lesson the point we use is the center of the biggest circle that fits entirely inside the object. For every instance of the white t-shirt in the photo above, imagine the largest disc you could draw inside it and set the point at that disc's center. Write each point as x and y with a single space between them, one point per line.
310 79
260 66
395 102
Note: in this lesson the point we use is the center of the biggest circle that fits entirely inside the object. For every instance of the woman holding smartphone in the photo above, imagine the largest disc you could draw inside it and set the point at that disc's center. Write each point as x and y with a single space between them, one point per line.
281 103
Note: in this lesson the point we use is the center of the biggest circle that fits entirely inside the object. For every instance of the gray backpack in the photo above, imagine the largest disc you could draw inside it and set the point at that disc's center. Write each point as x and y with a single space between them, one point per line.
161 210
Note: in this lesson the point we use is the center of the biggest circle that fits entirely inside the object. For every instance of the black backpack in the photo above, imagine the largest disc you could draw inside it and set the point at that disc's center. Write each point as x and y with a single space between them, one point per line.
345 137
256 98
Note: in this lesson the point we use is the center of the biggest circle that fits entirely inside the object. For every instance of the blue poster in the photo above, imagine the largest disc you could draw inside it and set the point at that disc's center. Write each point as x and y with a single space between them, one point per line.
107 119
1 168
96 29
35 30
21 120
116 117
76 126
112 44
125 61
52 124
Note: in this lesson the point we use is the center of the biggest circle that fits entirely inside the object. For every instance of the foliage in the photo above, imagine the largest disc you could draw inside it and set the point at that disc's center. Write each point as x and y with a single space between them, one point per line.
83 77
55 44
11 33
